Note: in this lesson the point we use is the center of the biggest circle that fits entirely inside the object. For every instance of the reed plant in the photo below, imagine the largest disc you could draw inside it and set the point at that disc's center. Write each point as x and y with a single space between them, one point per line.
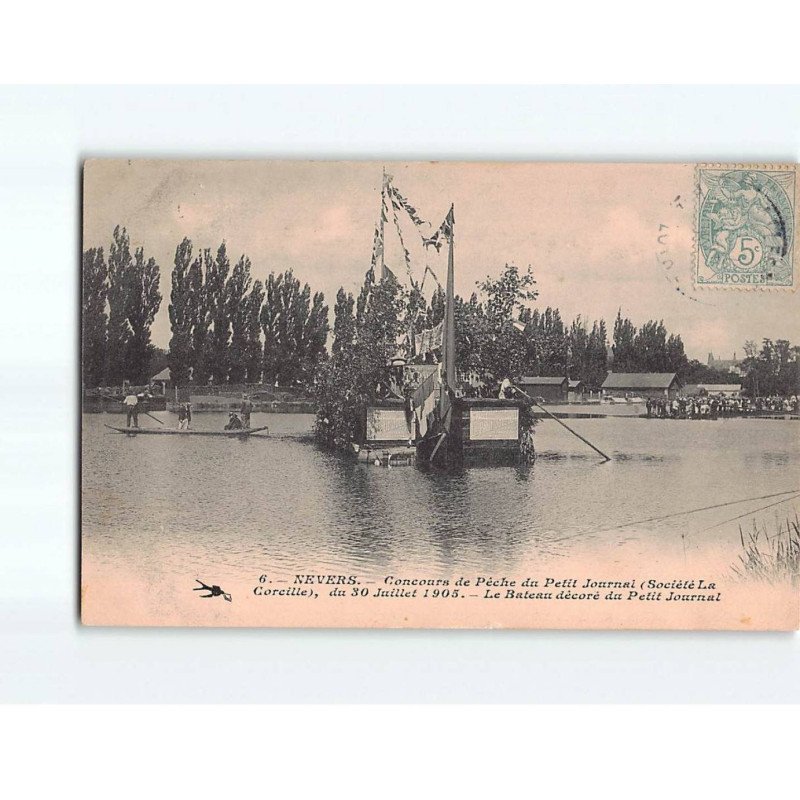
773 557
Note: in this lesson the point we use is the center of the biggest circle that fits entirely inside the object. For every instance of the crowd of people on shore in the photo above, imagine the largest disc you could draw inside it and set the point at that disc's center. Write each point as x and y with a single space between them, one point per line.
715 406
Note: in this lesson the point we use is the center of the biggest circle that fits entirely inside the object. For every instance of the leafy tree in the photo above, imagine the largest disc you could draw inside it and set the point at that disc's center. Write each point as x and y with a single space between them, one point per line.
216 280
94 320
623 347
775 370
578 349
181 315
676 360
648 349
238 314
344 323
507 294
695 372
346 383
435 312
504 348
254 353
547 343
134 299
200 318
414 317
295 329
270 314
143 302
313 338
596 368
119 332
471 331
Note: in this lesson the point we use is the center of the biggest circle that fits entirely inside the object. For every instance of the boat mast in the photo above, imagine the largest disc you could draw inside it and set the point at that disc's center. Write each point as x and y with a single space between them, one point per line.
448 330
384 184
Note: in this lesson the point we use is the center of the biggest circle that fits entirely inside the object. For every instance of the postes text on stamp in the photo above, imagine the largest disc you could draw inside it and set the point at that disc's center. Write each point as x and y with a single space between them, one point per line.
745 227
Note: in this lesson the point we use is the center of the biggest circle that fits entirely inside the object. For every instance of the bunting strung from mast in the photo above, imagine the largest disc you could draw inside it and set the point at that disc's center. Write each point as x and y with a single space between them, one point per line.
377 248
391 194
432 274
423 400
398 203
442 235
429 340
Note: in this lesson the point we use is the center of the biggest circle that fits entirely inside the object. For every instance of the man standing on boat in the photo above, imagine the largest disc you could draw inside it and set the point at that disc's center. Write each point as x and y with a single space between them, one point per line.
131 404
246 409
184 416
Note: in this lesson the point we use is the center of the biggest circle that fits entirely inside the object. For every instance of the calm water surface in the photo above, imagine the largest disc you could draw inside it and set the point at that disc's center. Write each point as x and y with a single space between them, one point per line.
285 504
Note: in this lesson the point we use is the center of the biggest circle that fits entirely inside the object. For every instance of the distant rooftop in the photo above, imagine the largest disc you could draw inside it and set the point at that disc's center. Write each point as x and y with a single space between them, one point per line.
541 381
639 380
721 387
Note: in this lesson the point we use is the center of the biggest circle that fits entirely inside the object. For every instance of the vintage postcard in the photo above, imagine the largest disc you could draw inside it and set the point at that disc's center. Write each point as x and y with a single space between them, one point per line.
440 394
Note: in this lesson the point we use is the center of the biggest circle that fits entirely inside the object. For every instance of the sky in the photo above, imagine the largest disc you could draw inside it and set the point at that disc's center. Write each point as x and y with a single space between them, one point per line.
598 237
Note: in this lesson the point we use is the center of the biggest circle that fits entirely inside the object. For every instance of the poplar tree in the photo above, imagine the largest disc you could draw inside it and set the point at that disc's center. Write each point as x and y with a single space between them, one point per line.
143 302
623 347
295 330
217 310
181 316
344 323
119 332
94 320
236 291
134 299
199 315
254 352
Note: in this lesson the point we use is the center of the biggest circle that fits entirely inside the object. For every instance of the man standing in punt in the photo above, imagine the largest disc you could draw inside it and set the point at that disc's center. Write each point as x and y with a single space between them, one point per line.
246 409
131 404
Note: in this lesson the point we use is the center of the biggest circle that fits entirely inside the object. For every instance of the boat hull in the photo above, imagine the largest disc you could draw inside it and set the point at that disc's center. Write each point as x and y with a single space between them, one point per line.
187 432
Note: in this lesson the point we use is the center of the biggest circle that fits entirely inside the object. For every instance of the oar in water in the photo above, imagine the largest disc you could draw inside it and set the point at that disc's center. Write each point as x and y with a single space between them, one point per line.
146 413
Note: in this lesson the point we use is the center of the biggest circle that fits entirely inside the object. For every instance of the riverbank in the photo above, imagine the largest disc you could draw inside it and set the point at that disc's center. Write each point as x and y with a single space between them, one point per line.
216 403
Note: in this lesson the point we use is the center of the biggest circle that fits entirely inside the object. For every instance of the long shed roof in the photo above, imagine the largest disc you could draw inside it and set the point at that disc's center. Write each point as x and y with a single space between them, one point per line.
639 380
541 381
721 387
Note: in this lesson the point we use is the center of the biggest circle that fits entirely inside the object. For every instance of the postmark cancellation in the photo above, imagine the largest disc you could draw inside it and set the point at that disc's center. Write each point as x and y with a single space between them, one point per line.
745 226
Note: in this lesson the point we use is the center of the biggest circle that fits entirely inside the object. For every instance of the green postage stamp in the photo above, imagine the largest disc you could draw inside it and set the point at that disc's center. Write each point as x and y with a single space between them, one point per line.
745 226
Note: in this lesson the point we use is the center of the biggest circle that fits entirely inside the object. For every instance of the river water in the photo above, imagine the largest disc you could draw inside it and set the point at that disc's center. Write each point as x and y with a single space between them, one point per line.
281 503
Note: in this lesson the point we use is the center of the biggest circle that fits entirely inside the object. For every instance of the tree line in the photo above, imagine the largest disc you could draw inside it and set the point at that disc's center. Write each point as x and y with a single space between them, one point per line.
225 327
773 369
121 298
228 328
497 333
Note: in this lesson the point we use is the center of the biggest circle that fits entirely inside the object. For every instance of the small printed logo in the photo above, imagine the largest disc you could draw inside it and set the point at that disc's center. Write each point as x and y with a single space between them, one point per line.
745 227
213 591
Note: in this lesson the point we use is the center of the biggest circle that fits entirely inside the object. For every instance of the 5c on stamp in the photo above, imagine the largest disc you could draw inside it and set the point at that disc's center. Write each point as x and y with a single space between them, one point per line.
745 226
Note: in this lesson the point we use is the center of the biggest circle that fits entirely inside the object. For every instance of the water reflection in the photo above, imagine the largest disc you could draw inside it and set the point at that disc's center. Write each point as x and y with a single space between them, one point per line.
281 502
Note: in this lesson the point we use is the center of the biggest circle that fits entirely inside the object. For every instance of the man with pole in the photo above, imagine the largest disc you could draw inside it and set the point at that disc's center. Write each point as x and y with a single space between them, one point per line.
131 403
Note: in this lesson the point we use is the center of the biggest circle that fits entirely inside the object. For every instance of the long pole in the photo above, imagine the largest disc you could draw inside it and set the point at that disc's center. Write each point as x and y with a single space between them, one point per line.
574 433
